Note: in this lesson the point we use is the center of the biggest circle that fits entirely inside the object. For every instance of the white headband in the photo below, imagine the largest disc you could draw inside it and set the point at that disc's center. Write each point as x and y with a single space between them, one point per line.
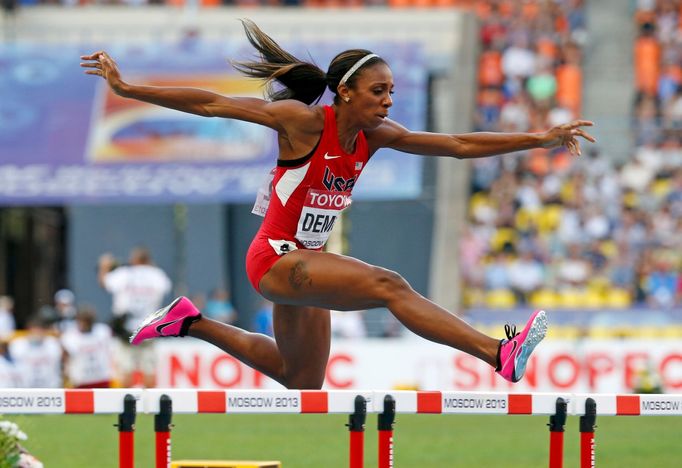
355 67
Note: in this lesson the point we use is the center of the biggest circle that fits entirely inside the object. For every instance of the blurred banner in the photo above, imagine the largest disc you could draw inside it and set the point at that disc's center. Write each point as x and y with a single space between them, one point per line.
605 366
66 138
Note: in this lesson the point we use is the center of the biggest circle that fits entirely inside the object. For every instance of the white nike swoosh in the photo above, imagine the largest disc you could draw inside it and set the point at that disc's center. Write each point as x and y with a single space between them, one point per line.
326 156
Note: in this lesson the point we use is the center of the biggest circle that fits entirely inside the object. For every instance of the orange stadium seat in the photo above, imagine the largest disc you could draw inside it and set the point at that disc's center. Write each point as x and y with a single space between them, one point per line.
483 10
400 3
506 8
444 3
490 69
530 11
547 48
643 16
422 3
561 24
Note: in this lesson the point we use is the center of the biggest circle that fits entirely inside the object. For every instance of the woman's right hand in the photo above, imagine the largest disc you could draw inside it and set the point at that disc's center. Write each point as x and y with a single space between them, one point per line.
101 64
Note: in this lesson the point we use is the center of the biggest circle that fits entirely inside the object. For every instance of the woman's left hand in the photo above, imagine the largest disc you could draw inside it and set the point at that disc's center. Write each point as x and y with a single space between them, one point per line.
567 135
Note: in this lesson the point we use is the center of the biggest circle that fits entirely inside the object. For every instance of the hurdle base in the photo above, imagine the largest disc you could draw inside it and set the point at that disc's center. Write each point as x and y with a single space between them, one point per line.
224 464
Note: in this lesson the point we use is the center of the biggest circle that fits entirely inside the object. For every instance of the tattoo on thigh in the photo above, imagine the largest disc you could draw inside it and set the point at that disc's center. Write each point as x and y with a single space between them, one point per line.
298 276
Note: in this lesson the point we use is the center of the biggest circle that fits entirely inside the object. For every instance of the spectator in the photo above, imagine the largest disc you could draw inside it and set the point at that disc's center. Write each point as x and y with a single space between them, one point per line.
10 376
65 307
497 272
573 270
7 323
88 350
38 356
218 307
622 269
348 324
615 219
526 275
137 290
660 284
647 60
262 320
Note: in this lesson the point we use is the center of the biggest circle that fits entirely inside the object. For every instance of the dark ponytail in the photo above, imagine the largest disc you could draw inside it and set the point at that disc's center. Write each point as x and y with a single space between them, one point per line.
344 62
302 81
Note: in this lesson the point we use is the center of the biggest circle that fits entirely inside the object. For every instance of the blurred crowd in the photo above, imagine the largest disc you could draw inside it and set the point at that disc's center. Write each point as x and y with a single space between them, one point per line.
66 344
255 3
61 344
481 6
549 230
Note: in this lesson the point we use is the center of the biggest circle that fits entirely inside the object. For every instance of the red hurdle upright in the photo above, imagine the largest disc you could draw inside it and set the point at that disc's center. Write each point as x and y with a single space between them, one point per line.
587 425
556 434
385 422
126 432
356 426
162 427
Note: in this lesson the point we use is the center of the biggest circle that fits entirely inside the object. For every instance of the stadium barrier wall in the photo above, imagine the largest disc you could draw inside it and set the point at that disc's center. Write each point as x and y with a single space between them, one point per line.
570 366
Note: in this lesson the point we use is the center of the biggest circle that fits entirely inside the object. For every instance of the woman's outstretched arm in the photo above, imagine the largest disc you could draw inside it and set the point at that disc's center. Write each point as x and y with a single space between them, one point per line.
477 145
193 100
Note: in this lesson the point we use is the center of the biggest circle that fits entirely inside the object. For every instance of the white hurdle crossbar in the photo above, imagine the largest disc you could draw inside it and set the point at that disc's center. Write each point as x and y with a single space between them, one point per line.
110 401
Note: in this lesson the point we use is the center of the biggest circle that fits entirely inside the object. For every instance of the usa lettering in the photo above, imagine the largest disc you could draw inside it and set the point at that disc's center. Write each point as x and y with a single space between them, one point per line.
337 183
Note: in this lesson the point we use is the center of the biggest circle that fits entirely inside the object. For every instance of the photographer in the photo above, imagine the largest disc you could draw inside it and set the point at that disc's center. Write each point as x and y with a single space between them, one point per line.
137 289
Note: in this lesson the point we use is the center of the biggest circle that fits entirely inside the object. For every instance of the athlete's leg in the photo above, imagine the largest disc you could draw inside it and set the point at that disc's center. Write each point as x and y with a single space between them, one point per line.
298 359
253 349
331 281
303 337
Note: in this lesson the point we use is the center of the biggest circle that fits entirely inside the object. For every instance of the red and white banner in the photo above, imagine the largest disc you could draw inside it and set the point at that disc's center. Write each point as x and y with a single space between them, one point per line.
603 366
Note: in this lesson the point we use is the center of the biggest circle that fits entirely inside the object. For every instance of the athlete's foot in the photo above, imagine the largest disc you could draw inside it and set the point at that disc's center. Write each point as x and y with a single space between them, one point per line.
513 353
172 320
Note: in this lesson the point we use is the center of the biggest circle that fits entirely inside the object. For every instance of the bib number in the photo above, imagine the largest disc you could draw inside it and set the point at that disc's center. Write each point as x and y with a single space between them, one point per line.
320 211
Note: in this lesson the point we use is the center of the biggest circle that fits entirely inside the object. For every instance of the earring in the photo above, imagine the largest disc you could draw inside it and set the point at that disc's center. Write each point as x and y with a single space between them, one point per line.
347 99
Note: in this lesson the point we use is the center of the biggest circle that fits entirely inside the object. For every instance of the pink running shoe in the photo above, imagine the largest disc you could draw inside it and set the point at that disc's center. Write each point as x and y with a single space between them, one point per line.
513 353
172 320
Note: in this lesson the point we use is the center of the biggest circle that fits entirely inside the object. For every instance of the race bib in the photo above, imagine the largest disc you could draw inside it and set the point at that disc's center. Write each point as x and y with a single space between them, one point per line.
320 211
264 194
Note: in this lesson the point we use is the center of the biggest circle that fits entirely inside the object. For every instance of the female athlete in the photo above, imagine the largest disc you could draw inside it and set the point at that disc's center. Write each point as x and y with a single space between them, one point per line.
322 152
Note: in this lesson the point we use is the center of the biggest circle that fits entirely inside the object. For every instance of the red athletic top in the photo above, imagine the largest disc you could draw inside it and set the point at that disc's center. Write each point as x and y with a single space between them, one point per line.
306 197
308 194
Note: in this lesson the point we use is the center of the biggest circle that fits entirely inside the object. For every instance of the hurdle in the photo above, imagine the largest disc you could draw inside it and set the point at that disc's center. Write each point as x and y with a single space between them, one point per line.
357 404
